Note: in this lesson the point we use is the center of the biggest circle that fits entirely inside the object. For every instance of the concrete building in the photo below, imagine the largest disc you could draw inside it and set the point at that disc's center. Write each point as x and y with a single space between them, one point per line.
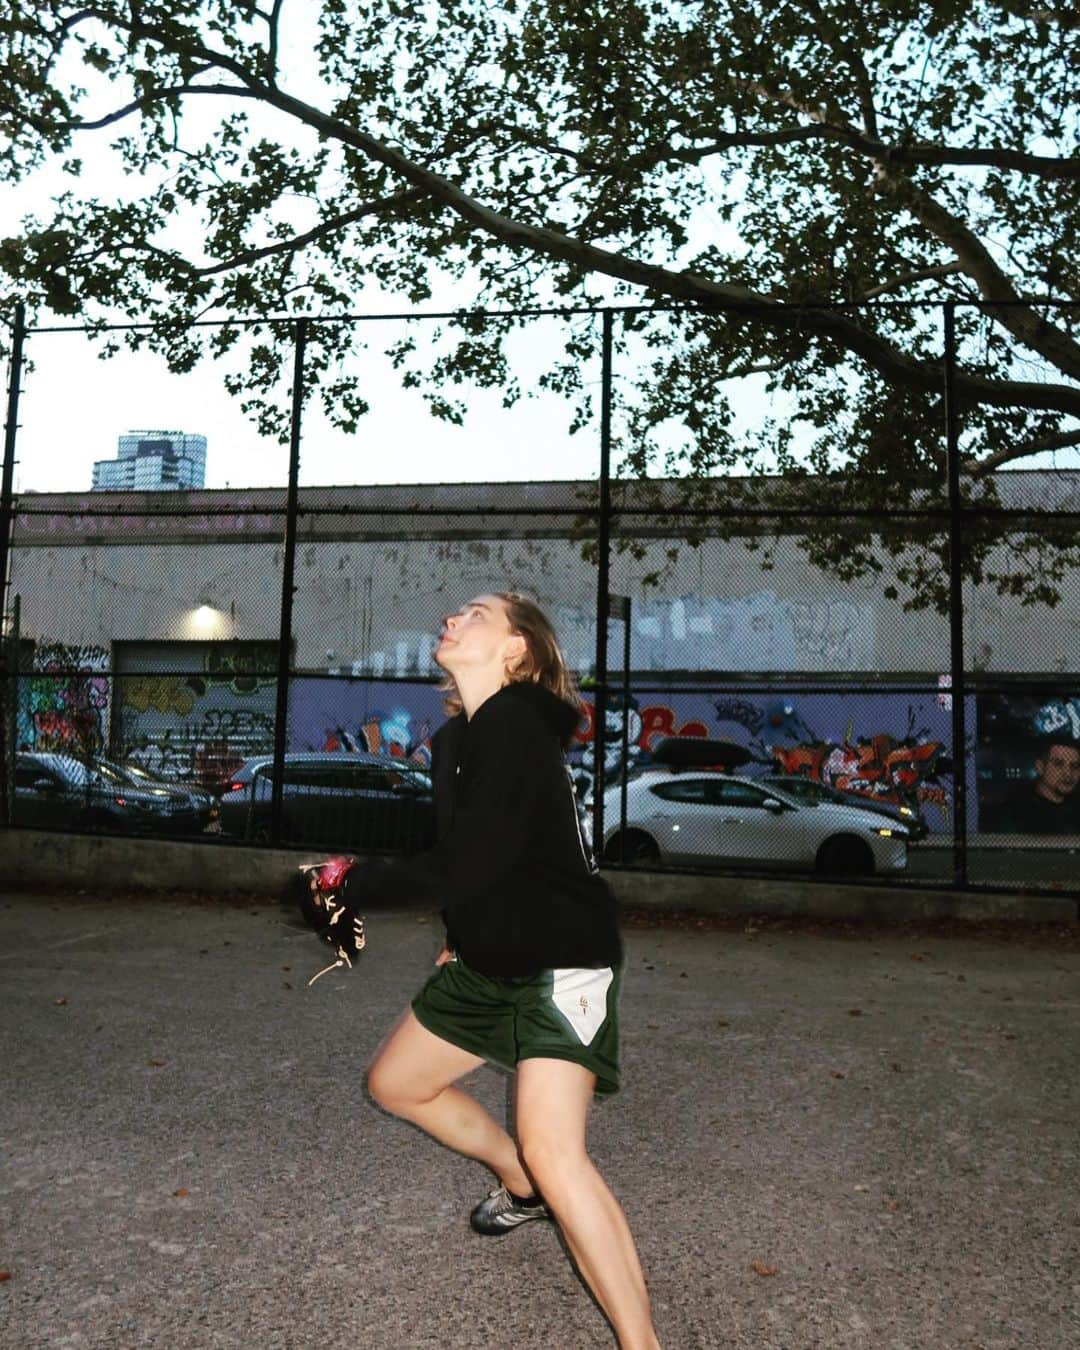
153 461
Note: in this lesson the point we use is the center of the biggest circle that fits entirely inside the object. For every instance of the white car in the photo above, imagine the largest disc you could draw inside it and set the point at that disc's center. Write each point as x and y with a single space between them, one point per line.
725 820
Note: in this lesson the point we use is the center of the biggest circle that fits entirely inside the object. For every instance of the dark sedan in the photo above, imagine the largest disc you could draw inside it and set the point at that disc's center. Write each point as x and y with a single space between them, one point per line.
355 801
57 791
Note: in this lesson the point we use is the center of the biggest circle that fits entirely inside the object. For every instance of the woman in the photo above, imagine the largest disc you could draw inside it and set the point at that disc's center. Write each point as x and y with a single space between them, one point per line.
529 974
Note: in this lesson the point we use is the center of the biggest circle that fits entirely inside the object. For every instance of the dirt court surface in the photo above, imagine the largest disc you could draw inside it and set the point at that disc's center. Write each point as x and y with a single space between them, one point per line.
828 1137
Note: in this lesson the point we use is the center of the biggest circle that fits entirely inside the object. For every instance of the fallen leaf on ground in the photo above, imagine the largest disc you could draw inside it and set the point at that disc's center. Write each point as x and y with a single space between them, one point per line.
653 1026
894 1205
860 1187
760 1268
182 1192
835 1073
854 1012
59 1002
155 1063
4 1275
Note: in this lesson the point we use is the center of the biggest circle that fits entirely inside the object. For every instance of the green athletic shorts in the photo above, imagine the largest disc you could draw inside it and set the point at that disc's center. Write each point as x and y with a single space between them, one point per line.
558 1014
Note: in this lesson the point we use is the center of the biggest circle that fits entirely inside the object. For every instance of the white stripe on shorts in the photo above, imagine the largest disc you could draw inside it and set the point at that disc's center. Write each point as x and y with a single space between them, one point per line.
580 994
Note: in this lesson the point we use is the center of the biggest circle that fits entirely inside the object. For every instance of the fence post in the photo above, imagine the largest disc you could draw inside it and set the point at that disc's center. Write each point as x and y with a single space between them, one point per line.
9 640
288 587
11 424
956 604
603 568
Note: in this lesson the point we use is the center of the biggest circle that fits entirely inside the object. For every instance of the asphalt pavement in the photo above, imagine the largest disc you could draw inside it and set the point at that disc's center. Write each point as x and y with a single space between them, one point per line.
828 1137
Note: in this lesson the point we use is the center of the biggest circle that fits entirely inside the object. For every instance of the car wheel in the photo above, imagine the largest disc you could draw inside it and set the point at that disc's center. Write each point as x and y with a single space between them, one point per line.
641 849
844 856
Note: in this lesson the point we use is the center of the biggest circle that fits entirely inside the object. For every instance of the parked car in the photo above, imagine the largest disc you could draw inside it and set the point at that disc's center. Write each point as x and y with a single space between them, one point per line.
731 821
356 801
57 791
202 804
811 790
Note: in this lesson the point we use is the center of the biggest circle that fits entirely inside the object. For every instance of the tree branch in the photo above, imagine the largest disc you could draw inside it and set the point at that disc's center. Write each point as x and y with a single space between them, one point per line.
980 468
914 155
47 128
909 279
1024 323
273 20
300 241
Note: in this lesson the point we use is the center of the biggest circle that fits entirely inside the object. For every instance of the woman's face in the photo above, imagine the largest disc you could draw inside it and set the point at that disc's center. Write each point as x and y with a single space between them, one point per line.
478 639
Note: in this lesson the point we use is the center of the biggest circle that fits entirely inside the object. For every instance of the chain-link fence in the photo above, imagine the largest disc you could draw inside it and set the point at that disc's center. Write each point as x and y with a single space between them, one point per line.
806 661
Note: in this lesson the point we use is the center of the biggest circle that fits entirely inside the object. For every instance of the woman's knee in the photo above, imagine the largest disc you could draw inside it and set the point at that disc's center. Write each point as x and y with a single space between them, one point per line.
387 1087
551 1162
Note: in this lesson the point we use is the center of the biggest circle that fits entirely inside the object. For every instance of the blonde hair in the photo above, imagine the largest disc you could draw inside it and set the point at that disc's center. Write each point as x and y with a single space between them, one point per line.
543 662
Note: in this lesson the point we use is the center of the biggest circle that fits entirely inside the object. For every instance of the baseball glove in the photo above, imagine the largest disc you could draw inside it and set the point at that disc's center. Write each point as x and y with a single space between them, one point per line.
329 909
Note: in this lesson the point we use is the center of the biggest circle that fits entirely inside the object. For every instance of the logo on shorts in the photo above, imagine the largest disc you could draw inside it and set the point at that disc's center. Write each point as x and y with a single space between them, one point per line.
581 996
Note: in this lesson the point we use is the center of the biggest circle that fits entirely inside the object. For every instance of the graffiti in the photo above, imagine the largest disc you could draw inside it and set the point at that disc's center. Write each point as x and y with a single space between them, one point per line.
163 693
1059 716
740 711
198 726
829 633
242 667
67 699
645 728
205 749
878 767
385 734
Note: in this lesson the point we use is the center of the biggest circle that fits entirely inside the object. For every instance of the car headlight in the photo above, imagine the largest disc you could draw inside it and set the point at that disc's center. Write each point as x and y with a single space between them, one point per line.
906 811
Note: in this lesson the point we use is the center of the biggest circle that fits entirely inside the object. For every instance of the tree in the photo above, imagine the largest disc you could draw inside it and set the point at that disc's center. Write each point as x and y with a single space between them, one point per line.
772 169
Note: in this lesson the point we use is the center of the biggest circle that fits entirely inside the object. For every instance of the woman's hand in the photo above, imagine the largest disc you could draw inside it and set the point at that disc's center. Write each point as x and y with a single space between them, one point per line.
445 955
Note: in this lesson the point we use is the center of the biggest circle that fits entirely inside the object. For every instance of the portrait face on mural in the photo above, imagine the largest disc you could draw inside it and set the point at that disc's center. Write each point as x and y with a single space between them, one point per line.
1057 771
1029 764
478 638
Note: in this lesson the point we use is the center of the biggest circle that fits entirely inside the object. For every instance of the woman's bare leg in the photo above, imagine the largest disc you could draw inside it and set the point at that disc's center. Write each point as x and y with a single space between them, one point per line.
553 1098
412 1076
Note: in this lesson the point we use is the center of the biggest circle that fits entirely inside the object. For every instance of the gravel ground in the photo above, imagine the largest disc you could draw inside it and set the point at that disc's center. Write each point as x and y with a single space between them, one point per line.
828 1137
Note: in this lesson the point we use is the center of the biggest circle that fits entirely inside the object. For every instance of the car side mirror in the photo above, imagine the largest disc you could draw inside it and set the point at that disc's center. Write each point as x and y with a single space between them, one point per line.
774 805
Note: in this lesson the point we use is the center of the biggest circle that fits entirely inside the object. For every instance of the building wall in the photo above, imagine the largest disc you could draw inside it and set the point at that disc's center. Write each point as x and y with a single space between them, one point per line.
371 606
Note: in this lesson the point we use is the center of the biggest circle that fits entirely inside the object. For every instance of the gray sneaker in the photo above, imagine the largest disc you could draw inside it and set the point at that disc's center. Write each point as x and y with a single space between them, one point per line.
500 1212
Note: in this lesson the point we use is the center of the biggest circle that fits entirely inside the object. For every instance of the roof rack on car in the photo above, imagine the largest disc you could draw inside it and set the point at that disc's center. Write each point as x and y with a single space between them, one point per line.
699 752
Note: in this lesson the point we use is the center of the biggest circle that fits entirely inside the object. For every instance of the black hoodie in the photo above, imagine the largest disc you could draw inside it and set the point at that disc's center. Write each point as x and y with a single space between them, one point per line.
512 867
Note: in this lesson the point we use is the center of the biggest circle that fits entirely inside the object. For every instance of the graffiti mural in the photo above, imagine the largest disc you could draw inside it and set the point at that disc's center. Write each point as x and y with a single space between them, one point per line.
884 745
64 702
198 724
368 716
903 773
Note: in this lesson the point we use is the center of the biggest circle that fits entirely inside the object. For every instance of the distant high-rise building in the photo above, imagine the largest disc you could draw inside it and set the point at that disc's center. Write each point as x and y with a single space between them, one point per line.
153 461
